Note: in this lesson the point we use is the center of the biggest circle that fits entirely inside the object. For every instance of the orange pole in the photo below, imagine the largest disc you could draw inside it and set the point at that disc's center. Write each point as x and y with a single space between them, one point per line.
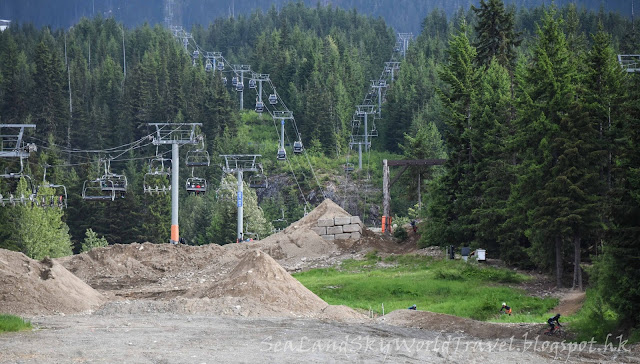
175 236
384 223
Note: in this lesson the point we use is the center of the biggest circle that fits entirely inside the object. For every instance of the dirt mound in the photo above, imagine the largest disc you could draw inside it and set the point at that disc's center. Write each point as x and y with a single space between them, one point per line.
29 287
136 265
459 325
259 278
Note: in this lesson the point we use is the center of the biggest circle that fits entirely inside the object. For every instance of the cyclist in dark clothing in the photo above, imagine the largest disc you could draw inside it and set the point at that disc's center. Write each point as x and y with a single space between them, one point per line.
553 322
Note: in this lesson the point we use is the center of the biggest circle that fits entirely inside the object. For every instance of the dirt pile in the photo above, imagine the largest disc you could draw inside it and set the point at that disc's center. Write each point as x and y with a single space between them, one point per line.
137 265
29 287
259 278
459 325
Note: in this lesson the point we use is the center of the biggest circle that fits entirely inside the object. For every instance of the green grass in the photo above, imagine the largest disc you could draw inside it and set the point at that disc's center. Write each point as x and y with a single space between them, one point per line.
452 287
13 323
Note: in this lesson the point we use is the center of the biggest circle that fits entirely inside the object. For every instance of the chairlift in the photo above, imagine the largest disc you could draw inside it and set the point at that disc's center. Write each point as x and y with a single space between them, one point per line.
240 87
348 167
114 182
282 154
252 83
297 147
92 190
51 195
224 80
273 99
198 158
208 66
279 224
196 185
196 54
258 181
234 81
13 201
220 66
259 106
396 49
158 179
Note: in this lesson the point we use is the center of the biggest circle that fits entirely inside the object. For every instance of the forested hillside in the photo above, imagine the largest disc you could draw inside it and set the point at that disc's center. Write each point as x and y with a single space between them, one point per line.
535 116
402 15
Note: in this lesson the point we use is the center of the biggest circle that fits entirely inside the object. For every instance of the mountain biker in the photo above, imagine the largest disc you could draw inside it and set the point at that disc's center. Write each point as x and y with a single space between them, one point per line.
553 322
506 308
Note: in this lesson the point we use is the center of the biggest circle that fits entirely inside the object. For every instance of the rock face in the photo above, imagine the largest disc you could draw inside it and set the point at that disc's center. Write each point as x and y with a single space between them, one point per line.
30 287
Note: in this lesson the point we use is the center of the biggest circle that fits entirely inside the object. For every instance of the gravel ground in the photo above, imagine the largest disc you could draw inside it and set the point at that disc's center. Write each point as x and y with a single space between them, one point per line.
174 338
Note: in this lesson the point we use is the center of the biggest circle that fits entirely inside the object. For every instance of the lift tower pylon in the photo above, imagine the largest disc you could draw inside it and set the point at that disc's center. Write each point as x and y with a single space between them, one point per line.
241 69
175 134
240 163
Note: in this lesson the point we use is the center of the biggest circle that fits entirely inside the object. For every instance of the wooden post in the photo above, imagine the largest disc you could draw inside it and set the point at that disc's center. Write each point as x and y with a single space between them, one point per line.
386 195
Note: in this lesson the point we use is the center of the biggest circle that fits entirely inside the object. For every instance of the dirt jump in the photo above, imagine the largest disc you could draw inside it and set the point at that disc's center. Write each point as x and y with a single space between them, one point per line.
152 303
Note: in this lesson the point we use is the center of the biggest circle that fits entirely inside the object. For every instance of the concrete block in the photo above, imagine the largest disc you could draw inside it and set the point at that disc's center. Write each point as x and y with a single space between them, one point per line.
329 237
344 220
321 230
351 228
355 236
325 222
343 236
356 220
334 230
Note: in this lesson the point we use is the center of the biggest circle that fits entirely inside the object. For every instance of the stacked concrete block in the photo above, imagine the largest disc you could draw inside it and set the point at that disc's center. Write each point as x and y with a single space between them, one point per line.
339 227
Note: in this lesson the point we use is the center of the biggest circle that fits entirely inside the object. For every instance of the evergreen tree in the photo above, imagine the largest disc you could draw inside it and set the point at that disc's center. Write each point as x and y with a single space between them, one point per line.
496 35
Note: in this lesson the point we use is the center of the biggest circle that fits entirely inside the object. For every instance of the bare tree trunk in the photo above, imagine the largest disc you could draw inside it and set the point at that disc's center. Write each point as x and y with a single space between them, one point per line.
558 262
577 270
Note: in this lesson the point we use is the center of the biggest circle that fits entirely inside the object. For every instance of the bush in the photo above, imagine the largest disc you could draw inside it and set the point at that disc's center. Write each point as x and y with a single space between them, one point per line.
91 241
400 233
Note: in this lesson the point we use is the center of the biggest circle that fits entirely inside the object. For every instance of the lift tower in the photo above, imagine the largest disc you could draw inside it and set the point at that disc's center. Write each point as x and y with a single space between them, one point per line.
240 163
175 134
363 111
241 69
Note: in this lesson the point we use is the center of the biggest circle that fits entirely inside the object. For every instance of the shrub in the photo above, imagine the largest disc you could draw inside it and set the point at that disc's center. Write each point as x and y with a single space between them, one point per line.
92 240
400 233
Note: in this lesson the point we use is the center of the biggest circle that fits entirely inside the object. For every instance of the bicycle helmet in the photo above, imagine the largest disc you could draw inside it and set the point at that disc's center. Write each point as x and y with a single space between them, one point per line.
504 303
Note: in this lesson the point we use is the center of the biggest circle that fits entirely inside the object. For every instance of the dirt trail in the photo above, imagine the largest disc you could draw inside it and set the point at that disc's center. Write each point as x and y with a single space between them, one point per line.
570 303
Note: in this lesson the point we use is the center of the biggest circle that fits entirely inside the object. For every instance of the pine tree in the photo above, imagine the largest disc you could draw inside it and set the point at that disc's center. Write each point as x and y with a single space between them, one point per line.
547 98
496 35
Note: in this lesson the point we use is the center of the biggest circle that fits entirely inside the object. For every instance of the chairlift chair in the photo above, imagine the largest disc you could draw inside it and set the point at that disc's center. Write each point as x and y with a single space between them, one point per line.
56 196
252 83
273 99
157 181
234 81
297 147
259 106
198 158
348 167
196 54
282 154
220 66
196 185
224 80
208 66
240 86
114 182
258 181
92 191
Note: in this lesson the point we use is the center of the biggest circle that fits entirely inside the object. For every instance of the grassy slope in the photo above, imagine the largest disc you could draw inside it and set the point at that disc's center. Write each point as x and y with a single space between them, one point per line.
455 288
